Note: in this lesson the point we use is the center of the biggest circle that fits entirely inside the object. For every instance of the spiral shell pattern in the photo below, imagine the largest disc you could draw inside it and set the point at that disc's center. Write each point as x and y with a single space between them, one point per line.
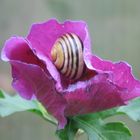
67 56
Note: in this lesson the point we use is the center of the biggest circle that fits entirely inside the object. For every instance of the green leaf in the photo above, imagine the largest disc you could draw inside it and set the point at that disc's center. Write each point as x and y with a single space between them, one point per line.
12 104
95 128
1 94
132 109
98 130
68 133
102 114
116 131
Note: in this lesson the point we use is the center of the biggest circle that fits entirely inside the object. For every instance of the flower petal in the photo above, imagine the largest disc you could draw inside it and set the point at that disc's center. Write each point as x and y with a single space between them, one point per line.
43 36
29 79
17 48
93 95
121 71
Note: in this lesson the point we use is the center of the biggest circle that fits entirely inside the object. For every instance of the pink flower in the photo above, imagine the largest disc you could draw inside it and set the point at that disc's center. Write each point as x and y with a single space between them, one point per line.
102 86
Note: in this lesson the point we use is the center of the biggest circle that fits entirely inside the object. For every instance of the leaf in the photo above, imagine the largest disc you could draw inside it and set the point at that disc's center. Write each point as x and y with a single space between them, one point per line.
102 114
132 109
98 130
68 133
1 94
95 128
12 104
116 131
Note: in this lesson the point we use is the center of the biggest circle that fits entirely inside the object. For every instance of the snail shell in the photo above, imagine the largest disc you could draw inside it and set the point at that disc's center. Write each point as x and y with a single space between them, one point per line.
67 56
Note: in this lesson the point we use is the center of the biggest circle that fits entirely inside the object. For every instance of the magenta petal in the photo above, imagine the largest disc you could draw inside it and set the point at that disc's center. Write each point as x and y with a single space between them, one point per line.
120 73
94 95
21 80
29 79
43 36
17 48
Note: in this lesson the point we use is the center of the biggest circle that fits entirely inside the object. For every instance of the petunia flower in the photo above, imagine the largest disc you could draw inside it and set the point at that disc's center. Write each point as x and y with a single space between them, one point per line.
102 85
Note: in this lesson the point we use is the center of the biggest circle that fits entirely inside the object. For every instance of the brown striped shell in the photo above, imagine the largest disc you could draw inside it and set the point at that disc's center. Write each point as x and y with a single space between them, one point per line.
67 56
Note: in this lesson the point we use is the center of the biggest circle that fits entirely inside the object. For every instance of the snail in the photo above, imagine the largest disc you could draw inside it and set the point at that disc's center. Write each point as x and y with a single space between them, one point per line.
67 56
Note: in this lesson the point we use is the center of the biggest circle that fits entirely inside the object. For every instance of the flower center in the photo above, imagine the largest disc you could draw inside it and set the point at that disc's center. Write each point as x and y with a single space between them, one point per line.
67 56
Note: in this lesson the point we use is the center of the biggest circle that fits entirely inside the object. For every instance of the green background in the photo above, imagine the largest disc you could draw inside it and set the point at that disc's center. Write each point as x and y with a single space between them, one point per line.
114 27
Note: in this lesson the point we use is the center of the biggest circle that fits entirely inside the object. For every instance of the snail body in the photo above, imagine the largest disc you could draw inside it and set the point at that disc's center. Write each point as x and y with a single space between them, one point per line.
67 56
